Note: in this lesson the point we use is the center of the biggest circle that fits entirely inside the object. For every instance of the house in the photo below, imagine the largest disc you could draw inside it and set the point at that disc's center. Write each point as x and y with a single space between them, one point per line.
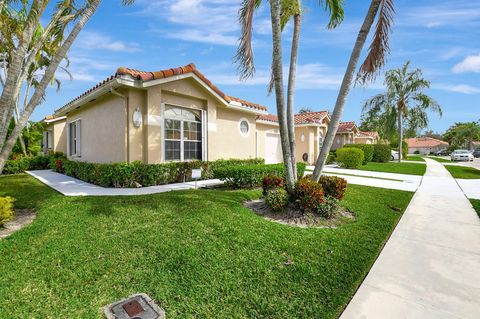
425 145
174 115
348 133
310 130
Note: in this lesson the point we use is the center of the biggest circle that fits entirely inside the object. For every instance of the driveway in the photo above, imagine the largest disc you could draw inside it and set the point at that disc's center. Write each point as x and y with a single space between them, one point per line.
429 266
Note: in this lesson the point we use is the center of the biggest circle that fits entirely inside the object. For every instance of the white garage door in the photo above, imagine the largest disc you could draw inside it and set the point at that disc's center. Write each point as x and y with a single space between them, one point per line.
273 148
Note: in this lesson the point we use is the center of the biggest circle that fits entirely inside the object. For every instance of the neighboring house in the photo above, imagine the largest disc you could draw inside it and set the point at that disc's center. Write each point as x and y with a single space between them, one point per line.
310 130
425 145
348 133
363 137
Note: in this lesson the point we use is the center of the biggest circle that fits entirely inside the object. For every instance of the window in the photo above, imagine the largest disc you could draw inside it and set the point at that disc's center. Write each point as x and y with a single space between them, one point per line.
183 135
244 127
48 140
74 138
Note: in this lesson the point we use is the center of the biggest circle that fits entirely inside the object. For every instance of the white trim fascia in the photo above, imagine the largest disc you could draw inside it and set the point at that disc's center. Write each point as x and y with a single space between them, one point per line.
61 118
309 124
266 122
84 99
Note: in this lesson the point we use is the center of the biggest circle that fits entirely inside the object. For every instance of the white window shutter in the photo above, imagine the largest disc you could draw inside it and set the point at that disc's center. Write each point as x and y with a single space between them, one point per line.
68 140
78 140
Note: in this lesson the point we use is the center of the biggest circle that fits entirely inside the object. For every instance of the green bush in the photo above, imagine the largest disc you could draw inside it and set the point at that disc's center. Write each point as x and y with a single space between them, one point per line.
328 208
25 163
333 186
394 146
308 195
276 199
271 182
252 175
137 174
350 157
367 151
381 153
6 209
332 157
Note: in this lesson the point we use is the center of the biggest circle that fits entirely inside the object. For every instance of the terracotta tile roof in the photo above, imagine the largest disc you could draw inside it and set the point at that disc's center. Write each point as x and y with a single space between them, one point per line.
303 118
425 142
367 134
189 68
162 74
345 127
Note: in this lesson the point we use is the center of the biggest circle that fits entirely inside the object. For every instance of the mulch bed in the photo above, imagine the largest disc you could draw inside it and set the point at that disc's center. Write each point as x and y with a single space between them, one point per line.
292 216
22 218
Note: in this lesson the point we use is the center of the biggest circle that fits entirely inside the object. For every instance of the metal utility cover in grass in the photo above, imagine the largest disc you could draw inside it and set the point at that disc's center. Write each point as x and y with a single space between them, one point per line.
138 306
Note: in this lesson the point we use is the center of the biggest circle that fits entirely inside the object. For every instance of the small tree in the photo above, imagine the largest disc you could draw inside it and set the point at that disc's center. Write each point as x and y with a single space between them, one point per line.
462 135
403 102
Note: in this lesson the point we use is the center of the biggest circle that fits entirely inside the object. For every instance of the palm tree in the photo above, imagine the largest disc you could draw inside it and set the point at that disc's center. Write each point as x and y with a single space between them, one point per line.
68 19
404 99
373 63
281 12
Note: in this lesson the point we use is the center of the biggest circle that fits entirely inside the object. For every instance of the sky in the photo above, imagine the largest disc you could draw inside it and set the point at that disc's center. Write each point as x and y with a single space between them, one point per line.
441 37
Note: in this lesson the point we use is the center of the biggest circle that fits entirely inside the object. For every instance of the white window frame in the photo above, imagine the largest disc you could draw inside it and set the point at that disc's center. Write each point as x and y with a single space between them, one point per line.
243 119
48 139
203 120
76 139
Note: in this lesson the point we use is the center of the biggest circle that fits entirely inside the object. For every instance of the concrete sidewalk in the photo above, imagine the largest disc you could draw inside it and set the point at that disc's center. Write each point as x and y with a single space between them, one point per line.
402 182
429 267
70 186
471 187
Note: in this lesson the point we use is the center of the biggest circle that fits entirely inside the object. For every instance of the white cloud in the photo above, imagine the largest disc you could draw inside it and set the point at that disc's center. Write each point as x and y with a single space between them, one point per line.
446 14
469 64
203 37
98 41
458 88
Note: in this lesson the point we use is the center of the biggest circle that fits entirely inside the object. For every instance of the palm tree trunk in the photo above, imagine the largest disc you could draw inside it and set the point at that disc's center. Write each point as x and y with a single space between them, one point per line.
47 77
275 9
400 133
291 91
345 88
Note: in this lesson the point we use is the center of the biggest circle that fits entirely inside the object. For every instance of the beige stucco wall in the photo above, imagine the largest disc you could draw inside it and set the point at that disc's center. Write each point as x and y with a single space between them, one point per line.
136 136
364 140
341 139
60 136
103 135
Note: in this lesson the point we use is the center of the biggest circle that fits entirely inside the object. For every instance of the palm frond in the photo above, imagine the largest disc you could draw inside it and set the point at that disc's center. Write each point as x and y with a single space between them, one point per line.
336 12
379 48
244 54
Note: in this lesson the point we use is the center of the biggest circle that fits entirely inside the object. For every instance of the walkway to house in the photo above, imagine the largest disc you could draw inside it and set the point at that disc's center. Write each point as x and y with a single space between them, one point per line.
70 186
429 267
402 182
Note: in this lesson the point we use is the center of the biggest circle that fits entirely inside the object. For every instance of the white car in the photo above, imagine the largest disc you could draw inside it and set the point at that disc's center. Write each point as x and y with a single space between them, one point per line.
461 155
394 156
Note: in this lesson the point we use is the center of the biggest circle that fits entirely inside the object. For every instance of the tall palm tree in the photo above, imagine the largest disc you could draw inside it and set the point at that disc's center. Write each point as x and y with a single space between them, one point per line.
281 12
404 99
374 61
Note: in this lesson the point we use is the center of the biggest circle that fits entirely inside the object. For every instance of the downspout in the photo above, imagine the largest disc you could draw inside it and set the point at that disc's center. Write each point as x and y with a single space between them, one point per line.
127 124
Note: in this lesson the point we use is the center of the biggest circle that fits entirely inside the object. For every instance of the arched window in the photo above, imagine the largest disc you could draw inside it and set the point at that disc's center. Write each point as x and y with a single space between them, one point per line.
183 134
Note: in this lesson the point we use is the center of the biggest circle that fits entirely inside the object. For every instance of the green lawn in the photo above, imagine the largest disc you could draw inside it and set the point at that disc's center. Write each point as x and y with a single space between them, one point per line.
463 171
476 205
392 167
439 159
197 253
415 158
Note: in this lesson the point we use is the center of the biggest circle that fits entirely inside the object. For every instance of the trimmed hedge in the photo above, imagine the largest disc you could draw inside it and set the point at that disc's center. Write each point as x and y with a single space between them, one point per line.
350 157
239 176
367 151
6 209
381 153
137 174
26 163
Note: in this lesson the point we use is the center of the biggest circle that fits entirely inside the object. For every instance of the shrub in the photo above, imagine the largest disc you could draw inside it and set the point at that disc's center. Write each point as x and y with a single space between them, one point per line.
328 208
367 151
276 199
333 186
271 182
308 195
137 174
332 157
251 175
350 157
21 164
6 209
394 146
381 153
416 152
